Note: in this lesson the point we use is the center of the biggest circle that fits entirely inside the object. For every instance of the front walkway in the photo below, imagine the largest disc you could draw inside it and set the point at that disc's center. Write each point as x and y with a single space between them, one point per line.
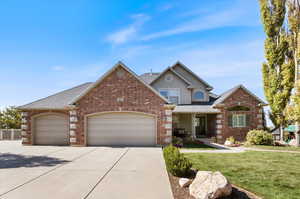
34 172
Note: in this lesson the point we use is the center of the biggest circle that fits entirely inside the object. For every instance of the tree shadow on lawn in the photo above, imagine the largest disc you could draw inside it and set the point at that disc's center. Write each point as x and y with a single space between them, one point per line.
9 161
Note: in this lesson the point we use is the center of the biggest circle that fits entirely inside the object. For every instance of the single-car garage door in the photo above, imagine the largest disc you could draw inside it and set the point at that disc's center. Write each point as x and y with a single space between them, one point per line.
119 129
51 129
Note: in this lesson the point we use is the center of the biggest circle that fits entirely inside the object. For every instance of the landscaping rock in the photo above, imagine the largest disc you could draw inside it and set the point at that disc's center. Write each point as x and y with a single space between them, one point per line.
184 182
210 185
228 143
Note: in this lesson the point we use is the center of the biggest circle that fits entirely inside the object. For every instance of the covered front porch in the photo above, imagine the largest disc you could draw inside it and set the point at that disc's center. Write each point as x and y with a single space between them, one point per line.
195 121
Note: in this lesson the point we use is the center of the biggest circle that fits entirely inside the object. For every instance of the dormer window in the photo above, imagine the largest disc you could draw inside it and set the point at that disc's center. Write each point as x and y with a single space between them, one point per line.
198 95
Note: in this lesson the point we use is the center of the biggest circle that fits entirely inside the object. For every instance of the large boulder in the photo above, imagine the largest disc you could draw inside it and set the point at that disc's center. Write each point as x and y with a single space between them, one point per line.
210 185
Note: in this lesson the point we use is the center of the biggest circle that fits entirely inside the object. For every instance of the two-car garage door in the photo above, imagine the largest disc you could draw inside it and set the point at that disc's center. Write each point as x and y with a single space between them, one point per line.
117 129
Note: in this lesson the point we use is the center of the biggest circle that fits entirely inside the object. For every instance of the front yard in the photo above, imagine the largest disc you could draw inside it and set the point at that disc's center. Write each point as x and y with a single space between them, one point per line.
281 148
270 175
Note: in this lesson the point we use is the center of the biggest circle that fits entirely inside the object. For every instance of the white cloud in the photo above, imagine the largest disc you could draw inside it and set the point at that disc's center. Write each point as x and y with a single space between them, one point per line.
122 36
239 14
58 68
126 34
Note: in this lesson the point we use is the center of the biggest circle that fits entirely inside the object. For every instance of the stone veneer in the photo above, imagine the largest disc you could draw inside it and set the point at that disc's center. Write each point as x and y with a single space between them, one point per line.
238 98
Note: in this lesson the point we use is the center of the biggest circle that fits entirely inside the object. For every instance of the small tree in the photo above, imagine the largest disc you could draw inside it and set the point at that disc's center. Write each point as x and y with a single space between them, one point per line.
10 118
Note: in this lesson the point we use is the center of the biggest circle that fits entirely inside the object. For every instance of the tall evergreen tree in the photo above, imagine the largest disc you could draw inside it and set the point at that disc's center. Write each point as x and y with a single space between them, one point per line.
278 69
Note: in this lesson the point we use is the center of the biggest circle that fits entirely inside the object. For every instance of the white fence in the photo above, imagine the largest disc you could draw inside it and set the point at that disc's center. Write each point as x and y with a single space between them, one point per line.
10 134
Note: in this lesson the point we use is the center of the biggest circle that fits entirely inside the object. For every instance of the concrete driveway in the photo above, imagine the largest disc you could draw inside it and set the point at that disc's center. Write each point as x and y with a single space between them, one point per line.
35 172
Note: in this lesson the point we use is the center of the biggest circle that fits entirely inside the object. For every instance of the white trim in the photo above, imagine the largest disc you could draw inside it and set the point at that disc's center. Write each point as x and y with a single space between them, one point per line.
177 89
119 64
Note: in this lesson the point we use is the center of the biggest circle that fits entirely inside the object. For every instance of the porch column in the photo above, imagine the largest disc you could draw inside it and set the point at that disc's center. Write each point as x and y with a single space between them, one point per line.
26 134
73 122
219 126
166 137
193 125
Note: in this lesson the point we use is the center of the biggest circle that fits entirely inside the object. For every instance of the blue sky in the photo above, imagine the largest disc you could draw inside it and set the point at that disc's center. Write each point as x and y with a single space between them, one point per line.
48 46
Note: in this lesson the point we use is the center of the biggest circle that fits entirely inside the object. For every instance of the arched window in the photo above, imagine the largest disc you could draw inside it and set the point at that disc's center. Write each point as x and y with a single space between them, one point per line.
198 95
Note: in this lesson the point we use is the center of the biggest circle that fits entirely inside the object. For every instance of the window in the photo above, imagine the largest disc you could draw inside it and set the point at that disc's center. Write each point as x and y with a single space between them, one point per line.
239 120
171 94
198 95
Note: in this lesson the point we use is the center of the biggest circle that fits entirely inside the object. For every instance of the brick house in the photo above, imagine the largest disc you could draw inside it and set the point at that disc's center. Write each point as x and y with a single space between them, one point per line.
122 108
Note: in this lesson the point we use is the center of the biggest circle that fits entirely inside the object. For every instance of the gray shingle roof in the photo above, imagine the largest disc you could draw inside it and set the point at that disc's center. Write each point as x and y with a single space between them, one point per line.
226 94
195 109
149 77
59 100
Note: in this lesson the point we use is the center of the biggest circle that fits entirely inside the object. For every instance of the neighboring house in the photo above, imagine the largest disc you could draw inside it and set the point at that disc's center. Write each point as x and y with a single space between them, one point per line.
122 108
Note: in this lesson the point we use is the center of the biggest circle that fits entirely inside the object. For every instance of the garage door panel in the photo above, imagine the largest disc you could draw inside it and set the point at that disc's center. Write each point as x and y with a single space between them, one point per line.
120 121
51 130
121 129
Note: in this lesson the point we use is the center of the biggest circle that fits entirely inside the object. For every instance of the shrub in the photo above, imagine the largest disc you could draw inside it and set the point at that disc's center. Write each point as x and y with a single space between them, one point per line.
176 141
176 163
259 137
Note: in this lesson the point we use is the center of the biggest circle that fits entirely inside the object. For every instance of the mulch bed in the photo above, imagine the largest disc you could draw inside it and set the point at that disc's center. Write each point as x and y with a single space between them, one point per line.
183 193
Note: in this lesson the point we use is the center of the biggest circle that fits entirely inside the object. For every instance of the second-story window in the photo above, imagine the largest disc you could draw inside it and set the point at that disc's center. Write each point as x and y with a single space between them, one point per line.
199 95
171 94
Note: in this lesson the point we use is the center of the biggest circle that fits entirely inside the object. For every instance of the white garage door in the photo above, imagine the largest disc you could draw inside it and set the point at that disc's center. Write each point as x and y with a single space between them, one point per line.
119 129
52 129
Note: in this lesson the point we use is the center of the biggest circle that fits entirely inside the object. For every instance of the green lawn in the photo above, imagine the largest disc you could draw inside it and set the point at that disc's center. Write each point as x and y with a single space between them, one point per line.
270 175
197 146
283 148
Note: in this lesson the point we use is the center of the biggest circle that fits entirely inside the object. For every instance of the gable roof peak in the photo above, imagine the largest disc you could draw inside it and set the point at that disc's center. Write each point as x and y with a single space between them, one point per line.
229 92
169 68
208 87
117 65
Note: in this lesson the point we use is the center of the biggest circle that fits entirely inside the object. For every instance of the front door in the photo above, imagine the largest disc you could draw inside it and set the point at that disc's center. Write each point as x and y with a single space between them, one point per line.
200 126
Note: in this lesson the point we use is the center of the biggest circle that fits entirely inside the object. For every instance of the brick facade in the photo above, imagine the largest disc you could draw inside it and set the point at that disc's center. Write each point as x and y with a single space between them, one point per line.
121 91
238 98
27 128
